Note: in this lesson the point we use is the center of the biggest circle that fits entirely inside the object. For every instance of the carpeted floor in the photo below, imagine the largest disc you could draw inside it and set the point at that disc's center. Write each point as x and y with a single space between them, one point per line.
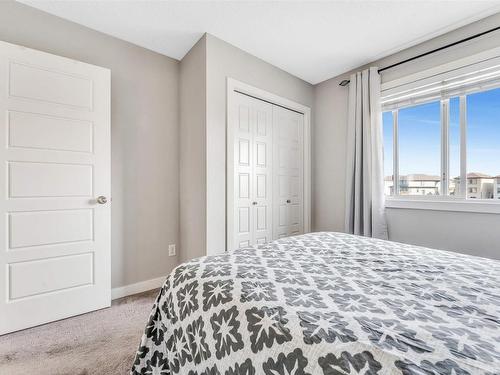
98 343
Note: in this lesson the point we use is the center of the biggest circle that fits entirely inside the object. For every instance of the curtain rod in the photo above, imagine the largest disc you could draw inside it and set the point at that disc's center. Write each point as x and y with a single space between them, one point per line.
346 81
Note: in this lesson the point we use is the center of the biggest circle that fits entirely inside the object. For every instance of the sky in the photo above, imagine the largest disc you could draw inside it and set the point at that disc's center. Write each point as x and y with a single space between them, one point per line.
420 136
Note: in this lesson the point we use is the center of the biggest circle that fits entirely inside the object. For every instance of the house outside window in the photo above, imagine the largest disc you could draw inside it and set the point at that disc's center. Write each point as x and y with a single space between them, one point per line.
496 188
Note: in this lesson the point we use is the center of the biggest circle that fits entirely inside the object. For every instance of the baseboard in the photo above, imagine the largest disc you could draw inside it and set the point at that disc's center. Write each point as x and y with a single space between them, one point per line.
139 287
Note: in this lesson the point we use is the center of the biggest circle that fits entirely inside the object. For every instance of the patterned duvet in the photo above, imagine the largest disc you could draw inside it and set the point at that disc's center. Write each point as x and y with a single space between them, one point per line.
326 303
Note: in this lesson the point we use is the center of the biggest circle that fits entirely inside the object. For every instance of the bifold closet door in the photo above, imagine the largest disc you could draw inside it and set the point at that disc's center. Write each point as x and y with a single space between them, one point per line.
54 188
252 171
288 181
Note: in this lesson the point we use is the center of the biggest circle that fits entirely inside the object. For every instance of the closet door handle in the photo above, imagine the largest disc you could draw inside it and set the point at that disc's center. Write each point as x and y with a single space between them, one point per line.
101 199
288 201
254 203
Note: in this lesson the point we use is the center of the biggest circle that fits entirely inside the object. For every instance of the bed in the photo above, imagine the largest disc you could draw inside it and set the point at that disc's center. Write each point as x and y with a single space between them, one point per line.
326 303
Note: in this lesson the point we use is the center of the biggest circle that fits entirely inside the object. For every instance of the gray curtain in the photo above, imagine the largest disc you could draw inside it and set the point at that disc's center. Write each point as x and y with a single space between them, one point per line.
365 211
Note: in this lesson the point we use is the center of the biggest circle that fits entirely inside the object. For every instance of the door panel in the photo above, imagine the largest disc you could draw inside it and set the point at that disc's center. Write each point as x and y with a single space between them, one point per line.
29 130
49 227
252 171
72 271
52 180
262 191
288 173
261 154
244 220
243 177
55 153
244 185
46 83
261 218
244 151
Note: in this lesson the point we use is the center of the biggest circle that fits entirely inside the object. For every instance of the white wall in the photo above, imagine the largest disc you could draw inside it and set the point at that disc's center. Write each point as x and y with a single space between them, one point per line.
144 135
225 60
472 233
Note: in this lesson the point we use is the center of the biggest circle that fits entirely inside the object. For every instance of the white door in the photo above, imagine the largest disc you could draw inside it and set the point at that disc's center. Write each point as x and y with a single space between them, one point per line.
252 207
55 162
288 181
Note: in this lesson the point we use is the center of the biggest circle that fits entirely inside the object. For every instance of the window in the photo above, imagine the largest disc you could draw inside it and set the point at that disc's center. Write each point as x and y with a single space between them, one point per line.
447 145
483 140
454 147
388 123
419 132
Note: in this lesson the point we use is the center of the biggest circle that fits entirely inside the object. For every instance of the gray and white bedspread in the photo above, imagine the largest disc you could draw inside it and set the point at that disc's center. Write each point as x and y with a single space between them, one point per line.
326 303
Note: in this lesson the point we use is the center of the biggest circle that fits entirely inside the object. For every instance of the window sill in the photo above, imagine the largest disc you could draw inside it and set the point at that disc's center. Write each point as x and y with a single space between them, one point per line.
457 205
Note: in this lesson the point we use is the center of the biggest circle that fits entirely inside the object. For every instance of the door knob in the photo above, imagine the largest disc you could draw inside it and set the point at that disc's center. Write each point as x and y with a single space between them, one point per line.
288 201
102 199
254 203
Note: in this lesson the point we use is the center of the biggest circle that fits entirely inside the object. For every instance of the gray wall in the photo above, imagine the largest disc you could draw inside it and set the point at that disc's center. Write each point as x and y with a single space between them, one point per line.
192 142
144 135
472 233
203 78
225 60
152 156
148 165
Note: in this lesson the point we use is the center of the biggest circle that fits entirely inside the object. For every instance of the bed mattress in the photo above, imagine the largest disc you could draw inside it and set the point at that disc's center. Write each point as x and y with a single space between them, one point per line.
326 303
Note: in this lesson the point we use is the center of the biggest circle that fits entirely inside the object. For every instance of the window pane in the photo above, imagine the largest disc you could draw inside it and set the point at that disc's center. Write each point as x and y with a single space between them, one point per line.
454 147
483 144
387 126
420 149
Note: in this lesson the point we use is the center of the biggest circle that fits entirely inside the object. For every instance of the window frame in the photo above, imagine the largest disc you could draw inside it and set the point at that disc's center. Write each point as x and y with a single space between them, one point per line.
440 202
446 70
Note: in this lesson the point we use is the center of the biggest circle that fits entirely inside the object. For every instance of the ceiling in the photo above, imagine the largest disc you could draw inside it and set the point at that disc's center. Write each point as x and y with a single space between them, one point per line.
311 40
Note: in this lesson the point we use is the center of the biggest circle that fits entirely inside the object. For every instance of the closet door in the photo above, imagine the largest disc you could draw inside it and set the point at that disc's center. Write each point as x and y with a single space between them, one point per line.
252 172
262 172
288 204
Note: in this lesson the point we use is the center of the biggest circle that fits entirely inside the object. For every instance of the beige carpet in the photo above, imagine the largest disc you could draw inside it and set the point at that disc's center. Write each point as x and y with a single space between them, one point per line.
97 343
